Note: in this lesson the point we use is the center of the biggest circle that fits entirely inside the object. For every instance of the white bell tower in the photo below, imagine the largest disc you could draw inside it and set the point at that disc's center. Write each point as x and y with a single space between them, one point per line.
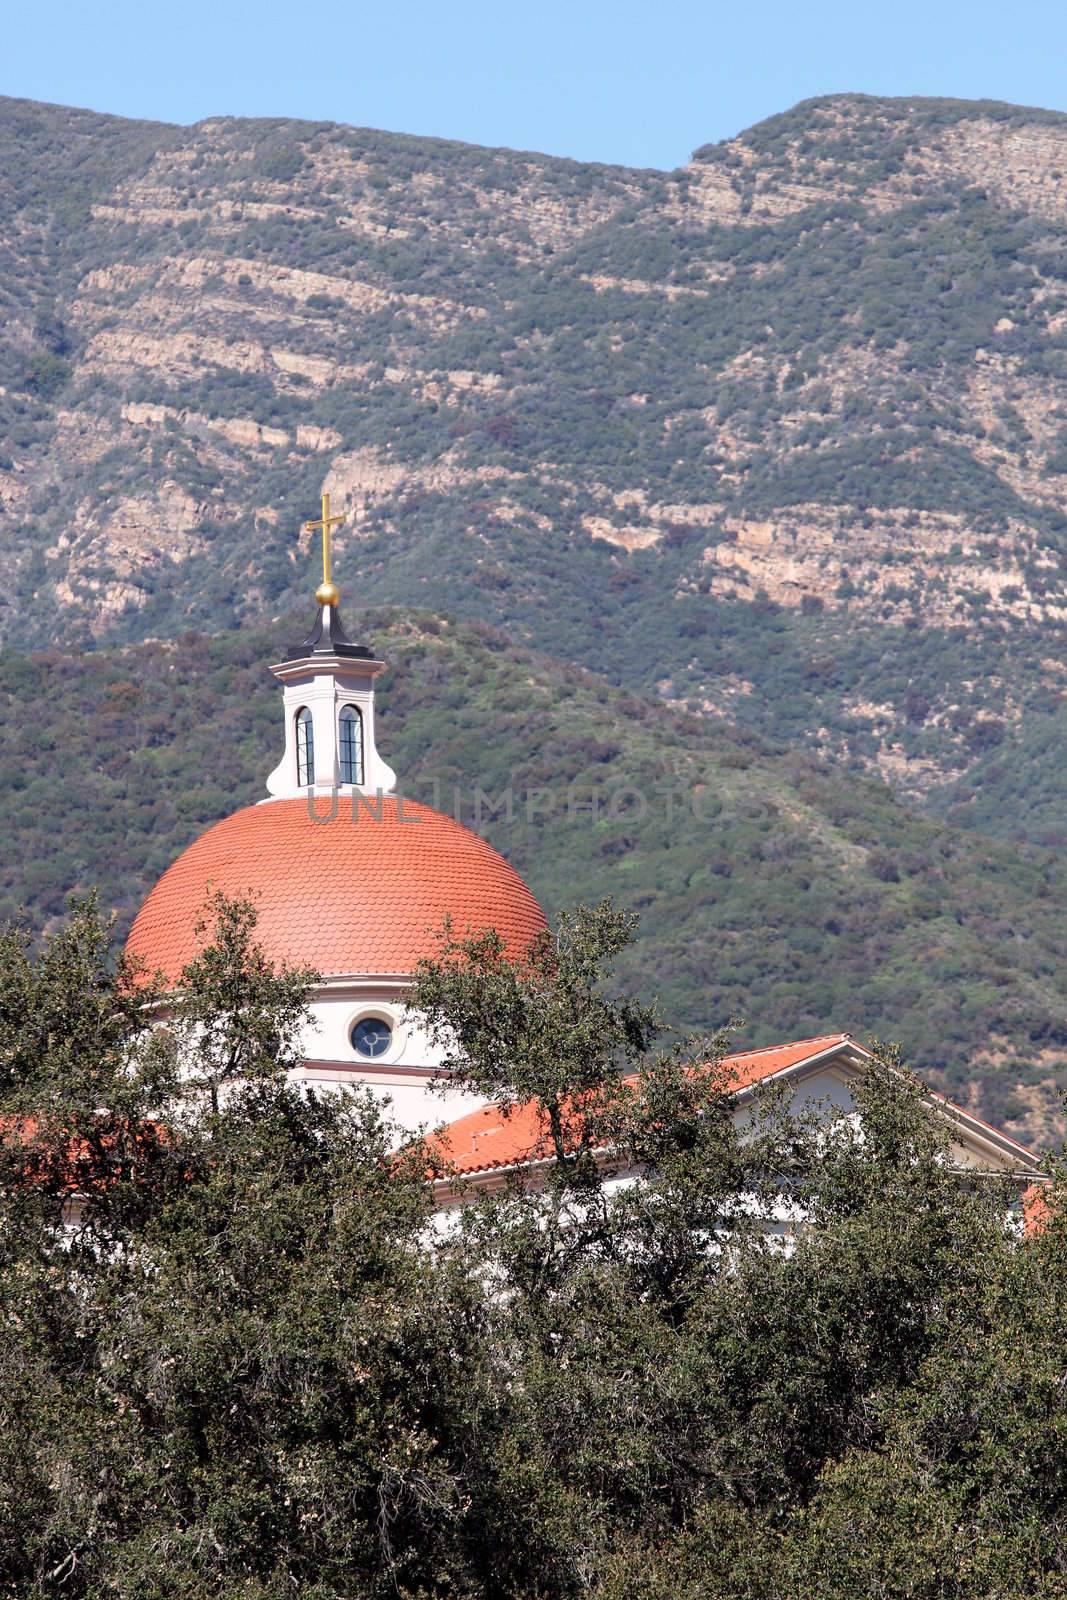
328 697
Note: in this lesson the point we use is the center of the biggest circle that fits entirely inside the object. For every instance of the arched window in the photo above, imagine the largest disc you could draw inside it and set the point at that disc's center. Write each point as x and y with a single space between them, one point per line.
351 743
305 748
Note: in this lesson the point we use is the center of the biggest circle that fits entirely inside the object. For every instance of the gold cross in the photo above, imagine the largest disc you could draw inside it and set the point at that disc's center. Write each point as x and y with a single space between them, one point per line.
327 594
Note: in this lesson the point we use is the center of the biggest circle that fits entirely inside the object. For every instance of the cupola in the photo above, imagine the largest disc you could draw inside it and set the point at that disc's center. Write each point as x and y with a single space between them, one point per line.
328 702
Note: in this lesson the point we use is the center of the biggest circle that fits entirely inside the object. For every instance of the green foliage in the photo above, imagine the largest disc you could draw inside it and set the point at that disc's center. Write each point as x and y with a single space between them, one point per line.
45 374
228 1374
541 1033
808 345
247 1377
251 1367
1015 787
515 341
239 1020
67 1021
770 886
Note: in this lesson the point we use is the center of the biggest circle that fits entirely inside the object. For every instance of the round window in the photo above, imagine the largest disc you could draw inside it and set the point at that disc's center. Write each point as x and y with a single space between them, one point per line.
371 1036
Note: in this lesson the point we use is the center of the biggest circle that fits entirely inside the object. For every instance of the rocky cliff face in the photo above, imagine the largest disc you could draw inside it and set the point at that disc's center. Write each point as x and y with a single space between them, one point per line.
782 434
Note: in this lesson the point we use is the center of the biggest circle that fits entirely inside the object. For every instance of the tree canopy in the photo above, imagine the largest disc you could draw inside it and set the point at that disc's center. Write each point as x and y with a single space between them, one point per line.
242 1359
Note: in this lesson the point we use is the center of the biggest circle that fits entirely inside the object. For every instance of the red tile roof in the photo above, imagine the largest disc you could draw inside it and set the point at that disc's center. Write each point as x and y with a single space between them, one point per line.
66 1160
752 1066
491 1138
365 896
1037 1208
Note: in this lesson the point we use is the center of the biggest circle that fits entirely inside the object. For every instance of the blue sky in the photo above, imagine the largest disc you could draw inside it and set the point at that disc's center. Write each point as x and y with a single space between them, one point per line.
642 84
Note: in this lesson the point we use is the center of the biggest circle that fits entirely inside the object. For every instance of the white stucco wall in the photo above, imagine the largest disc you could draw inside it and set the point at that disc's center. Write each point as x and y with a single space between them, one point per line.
407 1075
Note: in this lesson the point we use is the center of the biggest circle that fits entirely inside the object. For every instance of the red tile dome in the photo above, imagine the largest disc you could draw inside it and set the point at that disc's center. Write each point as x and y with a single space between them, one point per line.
347 896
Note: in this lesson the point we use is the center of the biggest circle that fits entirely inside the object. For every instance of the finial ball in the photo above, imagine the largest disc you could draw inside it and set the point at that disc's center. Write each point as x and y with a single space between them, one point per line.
327 594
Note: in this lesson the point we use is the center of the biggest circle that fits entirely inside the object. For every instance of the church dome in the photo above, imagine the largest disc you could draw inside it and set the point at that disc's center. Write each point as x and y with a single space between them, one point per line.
364 894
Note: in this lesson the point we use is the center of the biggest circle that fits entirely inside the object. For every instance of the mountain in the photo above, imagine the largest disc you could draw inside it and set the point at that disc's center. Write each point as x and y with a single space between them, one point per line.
753 473
780 436
768 888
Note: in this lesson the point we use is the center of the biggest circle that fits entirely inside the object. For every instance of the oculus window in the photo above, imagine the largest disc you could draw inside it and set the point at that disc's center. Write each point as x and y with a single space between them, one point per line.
371 1037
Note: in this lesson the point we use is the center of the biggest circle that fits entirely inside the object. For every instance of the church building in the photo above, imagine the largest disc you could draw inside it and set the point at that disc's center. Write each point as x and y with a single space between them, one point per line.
355 881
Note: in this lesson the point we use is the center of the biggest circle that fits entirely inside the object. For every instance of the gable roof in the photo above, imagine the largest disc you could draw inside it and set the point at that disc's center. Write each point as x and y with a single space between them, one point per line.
495 1139
492 1139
